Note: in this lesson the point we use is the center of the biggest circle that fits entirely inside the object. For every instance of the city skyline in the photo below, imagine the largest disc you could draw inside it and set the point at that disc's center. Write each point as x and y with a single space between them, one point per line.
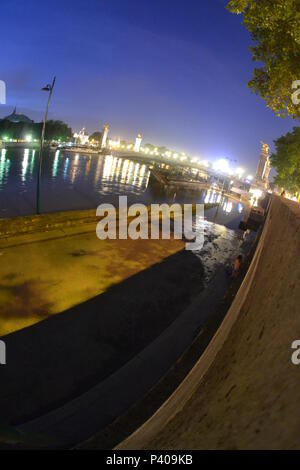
179 83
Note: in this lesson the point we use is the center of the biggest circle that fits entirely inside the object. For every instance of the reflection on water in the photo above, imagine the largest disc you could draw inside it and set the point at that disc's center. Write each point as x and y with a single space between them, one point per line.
4 168
25 165
69 180
55 164
213 196
108 174
118 174
78 181
221 246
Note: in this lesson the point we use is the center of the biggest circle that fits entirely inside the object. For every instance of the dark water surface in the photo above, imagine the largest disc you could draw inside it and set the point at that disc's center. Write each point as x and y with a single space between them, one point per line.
73 181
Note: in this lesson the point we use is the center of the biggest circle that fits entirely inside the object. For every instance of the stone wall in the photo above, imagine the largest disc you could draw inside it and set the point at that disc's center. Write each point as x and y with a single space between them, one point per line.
244 391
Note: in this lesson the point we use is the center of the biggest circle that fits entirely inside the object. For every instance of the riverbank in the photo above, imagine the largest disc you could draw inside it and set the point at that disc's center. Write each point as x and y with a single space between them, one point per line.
242 393
216 301
136 292
53 262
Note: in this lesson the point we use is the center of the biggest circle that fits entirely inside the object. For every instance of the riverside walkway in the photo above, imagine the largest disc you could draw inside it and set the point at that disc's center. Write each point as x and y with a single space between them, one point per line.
244 391
98 315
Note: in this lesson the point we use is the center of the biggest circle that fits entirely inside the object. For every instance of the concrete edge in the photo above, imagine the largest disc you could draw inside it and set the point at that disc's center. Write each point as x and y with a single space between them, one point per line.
47 222
176 402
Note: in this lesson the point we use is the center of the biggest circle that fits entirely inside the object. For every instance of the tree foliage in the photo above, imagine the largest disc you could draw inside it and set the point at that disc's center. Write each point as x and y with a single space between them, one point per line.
54 130
286 161
57 130
97 136
274 26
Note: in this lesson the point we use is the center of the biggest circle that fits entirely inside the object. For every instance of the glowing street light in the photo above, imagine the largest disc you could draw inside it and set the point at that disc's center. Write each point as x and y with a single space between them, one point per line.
240 172
221 165
49 89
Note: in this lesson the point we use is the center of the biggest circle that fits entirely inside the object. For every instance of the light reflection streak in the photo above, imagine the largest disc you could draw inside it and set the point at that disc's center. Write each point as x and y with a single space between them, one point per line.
66 167
4 165
32 162
55 164
122 172
212 196
25 164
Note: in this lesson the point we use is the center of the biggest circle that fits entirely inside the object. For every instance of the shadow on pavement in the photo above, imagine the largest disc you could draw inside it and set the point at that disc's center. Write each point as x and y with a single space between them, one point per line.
63 356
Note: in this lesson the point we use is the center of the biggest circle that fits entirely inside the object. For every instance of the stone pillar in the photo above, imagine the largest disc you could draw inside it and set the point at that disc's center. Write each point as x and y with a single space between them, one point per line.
138 142
264 166
104 136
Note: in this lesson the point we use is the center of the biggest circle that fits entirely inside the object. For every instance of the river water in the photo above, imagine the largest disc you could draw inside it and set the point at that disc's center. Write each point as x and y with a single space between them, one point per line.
73 181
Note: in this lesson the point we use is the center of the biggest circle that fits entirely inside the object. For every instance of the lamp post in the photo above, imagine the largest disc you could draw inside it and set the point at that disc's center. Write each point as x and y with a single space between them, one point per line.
49 89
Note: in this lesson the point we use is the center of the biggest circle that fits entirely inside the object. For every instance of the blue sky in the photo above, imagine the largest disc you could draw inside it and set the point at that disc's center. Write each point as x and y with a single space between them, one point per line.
176 71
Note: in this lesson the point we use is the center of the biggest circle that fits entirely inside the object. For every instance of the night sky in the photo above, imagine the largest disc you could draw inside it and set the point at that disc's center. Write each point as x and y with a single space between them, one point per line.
174 70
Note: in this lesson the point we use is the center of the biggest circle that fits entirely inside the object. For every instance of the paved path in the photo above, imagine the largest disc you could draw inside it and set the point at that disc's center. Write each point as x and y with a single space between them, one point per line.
47 271
243 393
86 415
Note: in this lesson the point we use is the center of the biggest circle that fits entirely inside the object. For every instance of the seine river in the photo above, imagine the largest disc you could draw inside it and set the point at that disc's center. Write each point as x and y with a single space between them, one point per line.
73 181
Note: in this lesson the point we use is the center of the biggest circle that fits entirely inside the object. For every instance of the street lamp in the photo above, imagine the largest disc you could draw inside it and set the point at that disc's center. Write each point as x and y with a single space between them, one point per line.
49 89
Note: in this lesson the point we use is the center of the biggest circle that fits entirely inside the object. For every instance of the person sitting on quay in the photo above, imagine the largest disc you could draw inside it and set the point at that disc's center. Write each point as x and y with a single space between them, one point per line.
235 268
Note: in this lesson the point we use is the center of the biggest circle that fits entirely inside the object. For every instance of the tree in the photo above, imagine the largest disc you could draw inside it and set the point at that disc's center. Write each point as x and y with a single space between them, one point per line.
274 26
58 130
286 161
96 136
19 130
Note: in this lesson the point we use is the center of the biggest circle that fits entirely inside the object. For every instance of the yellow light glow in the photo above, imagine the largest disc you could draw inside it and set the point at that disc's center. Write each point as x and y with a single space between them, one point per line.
222 165
240 172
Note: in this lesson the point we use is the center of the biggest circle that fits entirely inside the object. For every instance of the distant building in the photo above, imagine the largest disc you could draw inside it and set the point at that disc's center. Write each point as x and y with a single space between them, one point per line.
114 143
104 135
260 185
18 117
138 142
81 137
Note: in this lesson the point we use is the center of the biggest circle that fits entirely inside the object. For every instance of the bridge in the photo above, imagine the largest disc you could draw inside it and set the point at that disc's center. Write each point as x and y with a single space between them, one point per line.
202 181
